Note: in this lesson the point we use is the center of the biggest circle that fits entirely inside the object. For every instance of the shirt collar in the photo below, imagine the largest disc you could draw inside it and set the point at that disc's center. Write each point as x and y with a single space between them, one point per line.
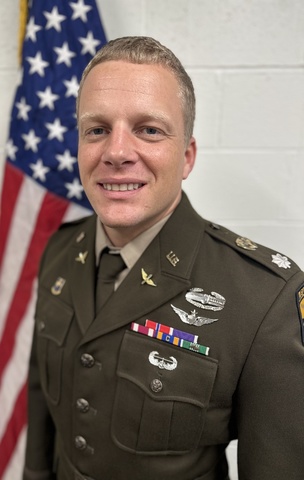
132 250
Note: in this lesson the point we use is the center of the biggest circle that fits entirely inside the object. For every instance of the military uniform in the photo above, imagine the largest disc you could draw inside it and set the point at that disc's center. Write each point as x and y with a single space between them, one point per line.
108 402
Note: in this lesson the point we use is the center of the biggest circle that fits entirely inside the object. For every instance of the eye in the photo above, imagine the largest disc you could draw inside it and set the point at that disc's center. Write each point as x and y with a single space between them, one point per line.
151 130
97 131
151 134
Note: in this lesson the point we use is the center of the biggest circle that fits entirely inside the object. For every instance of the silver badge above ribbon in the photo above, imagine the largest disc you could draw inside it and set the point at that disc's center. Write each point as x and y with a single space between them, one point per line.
214 302
192 318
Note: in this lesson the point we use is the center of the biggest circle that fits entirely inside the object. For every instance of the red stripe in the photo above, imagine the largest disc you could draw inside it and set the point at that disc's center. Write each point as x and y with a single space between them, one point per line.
13 429
12 182
50 217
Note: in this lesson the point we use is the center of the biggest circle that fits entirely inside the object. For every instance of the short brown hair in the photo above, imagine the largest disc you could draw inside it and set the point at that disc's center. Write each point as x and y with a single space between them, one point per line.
147 50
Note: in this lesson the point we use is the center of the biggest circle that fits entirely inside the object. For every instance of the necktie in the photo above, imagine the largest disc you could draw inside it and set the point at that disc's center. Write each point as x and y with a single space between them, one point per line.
110 265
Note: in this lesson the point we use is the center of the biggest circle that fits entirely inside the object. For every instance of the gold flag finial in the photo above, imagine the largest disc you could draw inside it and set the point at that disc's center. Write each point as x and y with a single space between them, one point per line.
22 26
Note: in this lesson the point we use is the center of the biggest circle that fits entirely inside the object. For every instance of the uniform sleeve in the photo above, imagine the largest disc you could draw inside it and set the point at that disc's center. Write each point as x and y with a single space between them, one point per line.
270 399
40 435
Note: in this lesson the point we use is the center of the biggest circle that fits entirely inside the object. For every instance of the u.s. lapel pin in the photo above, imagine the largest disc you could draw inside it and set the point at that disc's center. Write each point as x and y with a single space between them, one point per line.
173 259
82 256
147 278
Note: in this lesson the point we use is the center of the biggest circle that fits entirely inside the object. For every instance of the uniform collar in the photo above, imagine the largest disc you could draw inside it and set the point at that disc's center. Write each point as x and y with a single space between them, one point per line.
133 250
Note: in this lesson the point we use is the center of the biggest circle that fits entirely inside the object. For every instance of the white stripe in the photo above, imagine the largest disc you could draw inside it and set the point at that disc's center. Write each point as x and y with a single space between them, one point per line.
16 371
23 223
15 467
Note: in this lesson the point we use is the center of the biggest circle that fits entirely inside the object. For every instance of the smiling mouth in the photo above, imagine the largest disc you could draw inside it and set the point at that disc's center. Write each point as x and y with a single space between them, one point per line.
121 187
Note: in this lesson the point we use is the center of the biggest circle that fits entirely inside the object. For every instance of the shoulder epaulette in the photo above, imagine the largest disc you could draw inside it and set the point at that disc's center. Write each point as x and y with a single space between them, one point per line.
272 260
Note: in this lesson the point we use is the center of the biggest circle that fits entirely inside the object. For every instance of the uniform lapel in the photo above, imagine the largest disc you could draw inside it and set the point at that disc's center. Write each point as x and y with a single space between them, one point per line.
82 268
169 258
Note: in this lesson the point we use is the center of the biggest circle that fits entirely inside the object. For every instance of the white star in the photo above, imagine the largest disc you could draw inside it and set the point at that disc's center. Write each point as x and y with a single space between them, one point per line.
89 44
54 19
74 189
11 150
32 29
37 64
66 161
23 109
72 87
31 141
80 10
47 98
64 54
39 170
56 130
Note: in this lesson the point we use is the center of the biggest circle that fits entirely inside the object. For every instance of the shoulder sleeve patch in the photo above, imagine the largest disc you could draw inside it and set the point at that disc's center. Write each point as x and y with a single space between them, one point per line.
300 305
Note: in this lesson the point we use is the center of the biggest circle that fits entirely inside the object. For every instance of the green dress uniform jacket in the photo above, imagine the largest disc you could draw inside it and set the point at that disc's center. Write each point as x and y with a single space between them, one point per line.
107 402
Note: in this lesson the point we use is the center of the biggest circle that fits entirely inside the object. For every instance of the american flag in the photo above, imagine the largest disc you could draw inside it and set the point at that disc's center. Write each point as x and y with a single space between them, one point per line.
41 188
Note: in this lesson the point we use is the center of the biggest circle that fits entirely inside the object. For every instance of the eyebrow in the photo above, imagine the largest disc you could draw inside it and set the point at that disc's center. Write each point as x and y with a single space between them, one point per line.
145 117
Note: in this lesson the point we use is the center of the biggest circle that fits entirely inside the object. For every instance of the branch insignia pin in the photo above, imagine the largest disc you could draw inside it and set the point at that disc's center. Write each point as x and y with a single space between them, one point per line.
147 278
82 256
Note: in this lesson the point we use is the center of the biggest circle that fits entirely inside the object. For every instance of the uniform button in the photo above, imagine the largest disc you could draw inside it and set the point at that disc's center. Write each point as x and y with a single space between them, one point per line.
80 442
82 405
41 326
87 360
215 226
156 385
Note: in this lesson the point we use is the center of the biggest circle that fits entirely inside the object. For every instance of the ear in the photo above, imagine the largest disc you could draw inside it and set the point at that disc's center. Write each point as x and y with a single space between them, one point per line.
189 157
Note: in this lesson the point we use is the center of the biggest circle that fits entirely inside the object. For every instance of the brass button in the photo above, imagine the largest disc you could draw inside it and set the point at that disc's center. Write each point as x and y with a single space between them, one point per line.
156 385
80 442
82 405
87 360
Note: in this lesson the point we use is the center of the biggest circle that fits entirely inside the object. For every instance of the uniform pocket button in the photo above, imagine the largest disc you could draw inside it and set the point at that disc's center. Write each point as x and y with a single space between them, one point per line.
156 385
87 360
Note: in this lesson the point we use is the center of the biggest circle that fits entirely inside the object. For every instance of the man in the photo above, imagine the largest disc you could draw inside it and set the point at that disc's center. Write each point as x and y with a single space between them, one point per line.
201 341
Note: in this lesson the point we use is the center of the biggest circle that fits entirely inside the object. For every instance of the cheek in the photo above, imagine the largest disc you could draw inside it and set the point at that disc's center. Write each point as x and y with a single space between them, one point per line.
87 160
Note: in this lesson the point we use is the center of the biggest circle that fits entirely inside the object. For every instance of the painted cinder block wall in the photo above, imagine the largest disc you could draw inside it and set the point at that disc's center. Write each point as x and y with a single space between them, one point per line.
246 61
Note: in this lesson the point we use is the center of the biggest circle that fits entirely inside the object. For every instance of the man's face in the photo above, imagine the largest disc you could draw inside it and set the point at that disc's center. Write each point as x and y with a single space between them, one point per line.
132 154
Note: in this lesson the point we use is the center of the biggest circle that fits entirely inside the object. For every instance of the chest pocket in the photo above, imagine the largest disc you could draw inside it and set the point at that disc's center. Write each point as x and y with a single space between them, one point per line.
53 318
157 409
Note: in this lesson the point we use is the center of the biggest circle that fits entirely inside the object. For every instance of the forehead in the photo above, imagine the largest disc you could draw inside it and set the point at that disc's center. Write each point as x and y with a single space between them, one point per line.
122 76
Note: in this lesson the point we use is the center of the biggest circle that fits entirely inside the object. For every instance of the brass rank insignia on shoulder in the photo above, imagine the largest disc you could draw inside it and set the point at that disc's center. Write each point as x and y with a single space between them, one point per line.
300 305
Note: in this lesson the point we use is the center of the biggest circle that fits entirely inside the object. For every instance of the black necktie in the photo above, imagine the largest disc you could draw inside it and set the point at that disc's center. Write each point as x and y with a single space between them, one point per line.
110 265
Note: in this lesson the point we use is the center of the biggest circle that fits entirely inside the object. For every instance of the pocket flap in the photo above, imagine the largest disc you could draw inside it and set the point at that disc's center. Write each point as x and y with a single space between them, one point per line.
53 317
191 380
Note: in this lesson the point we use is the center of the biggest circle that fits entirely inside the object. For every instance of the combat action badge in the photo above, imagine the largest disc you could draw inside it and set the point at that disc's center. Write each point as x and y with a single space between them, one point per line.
300 304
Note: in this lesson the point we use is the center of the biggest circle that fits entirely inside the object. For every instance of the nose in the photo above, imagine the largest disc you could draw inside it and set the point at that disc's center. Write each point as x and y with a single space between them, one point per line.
119 147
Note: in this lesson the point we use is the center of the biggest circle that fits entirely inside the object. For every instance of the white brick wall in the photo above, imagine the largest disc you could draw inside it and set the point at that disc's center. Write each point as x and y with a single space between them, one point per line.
246 61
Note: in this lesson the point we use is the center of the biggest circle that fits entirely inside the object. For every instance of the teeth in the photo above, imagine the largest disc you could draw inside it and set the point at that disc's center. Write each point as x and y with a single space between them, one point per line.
121 187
